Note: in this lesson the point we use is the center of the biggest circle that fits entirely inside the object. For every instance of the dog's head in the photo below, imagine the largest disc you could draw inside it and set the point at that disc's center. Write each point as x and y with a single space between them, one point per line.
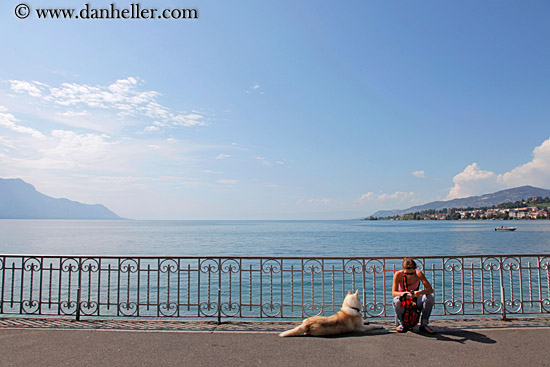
352 300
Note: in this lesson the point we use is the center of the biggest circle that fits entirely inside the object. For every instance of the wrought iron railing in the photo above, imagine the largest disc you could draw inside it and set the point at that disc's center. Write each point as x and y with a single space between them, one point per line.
261 287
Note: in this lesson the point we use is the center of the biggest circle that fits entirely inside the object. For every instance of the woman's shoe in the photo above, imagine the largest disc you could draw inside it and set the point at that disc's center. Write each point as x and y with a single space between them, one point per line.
401 329
426 329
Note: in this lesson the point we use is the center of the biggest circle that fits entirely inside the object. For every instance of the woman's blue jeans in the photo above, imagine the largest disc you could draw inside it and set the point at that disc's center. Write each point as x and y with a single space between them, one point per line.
425 303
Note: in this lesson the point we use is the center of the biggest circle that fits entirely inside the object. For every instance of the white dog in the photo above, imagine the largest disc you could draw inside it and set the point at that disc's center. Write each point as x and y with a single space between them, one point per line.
346 320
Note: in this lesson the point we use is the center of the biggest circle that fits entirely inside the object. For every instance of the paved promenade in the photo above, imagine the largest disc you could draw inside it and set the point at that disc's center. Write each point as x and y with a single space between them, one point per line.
91 342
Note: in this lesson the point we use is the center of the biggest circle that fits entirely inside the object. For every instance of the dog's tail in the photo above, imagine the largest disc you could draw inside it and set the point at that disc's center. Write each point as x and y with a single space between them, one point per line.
297 331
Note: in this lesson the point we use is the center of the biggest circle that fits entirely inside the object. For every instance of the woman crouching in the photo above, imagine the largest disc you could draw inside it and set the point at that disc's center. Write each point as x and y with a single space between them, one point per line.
405 292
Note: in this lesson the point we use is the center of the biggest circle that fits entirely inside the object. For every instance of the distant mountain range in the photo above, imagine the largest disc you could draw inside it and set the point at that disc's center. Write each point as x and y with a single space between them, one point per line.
20 200
509 195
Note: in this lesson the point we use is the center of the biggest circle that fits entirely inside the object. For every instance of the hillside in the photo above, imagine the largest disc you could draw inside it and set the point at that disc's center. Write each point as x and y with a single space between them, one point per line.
20 200
509 195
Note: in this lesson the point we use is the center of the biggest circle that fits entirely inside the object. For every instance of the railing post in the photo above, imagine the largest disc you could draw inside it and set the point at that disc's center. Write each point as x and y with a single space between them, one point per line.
502 297
503 303
219 291
78 299
219 305
78 304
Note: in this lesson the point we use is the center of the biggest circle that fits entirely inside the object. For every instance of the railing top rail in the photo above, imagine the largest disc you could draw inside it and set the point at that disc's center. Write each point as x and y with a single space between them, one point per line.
275 257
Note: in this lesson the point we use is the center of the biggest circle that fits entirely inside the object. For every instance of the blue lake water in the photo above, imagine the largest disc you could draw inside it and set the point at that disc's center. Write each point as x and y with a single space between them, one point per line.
272 238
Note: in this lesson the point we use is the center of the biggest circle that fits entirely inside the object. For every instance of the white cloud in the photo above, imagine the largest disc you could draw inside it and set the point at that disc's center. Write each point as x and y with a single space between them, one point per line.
475 181
223 156
33 88
188 120
151 128
536 172
419 174
124 97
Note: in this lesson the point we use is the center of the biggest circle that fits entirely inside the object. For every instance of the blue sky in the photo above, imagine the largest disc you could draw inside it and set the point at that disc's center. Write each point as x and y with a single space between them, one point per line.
277 110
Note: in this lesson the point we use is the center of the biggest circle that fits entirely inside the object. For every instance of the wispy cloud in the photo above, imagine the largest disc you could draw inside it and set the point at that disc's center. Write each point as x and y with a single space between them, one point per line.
266 162
223 156
255 88
125 97
9 121
380 197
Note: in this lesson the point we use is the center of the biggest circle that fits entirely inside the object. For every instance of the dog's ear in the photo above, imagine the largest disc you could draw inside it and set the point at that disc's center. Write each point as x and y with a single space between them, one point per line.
349 292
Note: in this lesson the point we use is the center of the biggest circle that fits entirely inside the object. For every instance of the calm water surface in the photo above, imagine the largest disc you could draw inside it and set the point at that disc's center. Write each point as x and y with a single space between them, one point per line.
271 238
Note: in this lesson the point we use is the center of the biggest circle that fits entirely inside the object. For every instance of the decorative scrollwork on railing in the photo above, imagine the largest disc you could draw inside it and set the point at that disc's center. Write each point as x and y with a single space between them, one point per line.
312 266
88 308
374 309
30 306
545 304
1 263
492 306
69 265
209 266
129 265
544 263
419 264
453 307
168 309
168 266
513 305
374 266
353 267
128 308
453 265
90 265
208 309
31 264
312 309
271 266
67 307
271 309
491 264
511 263
230 309
230 266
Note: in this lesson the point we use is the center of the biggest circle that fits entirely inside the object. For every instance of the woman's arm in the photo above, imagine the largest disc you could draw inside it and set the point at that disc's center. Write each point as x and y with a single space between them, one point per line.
427 286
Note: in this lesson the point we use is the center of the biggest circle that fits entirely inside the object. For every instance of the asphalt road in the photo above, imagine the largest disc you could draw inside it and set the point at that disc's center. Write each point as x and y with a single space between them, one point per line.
483 347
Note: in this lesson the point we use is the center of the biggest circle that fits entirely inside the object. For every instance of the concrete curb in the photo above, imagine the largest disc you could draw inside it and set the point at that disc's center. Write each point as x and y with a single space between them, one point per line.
267 326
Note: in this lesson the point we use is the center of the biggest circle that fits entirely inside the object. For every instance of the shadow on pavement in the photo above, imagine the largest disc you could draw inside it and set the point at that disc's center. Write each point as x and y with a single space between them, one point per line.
460 336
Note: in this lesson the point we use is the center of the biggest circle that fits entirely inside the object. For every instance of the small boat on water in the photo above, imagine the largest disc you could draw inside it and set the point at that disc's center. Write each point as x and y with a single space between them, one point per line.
502 228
